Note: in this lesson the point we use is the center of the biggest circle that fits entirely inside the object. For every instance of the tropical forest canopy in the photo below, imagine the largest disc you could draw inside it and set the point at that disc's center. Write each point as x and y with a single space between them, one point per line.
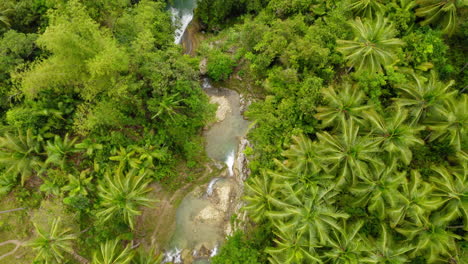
360 148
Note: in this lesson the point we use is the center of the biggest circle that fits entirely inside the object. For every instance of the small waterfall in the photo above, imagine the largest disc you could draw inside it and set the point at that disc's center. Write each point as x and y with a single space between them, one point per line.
182 20
209 189
173 256
230 163
214 251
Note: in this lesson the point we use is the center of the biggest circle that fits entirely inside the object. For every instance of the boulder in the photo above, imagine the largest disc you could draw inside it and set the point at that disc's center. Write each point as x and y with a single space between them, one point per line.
223 107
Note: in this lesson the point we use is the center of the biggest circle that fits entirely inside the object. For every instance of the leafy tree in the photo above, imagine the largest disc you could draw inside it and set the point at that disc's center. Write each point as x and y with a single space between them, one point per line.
395 136
373 46
441 13
347 103
367 8
416 201
127 158
121 194
452 122
20 154
379 189
424 98
347 153
111 253
52 244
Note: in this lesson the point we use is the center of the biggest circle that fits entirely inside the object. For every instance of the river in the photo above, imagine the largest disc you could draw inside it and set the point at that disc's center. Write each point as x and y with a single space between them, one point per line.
203 216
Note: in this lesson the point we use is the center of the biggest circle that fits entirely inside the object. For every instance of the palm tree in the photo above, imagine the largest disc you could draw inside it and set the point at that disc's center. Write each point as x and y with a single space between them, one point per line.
441 13
302 156
379 189
395 136
432 239
167 105
367 8
292 247
310 211
385 250
373 47
121 195
452 187
348 103
260 196
346 245
20 154
4 20
111 253
51 245
424 98
58 151
416 201
348 153
452 122
78 185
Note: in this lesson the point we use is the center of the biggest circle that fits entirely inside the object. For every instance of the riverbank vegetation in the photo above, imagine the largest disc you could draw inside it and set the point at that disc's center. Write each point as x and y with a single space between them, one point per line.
97 103
360 143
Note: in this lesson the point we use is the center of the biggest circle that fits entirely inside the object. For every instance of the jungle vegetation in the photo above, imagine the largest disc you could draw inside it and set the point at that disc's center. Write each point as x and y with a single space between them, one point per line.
360 144
360 149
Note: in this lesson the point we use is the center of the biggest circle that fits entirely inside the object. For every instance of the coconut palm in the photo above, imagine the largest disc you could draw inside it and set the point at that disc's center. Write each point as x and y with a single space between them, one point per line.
302 156
260 196
394 135
346 245
432 239
51 245
379 189
385 249
310 211
425 98
367 8
416 201
373 46
292 247
452 122
347 153
59 149
121 196
348 103
452 186
110 252
20 154
443 14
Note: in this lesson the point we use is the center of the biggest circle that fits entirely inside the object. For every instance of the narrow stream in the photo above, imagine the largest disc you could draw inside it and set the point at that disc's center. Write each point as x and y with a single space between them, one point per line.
202 215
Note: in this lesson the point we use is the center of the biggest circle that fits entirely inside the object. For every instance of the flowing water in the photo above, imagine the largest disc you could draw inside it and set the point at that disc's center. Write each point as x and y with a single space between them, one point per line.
182 14
201 216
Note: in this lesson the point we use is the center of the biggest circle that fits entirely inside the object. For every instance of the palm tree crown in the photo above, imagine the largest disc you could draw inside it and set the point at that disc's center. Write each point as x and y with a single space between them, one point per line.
121 196
52 244
373 47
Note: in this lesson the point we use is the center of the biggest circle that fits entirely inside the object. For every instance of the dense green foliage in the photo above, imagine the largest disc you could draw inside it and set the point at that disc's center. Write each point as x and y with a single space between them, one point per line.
359 139
96 103
361 131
